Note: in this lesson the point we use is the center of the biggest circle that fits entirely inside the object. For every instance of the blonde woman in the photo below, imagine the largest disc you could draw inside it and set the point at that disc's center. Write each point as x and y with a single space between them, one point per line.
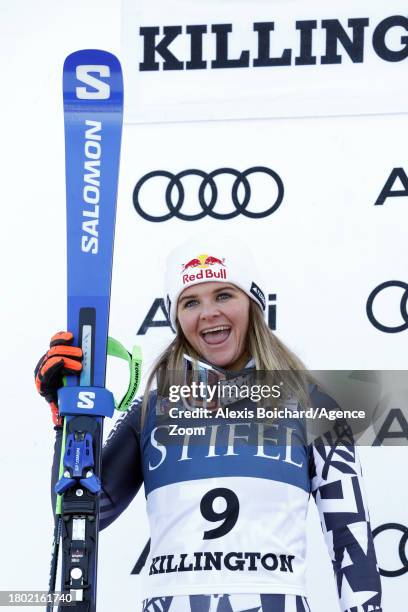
227 501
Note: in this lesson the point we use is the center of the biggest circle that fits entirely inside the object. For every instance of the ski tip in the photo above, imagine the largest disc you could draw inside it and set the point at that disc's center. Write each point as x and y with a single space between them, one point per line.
91 56
91 75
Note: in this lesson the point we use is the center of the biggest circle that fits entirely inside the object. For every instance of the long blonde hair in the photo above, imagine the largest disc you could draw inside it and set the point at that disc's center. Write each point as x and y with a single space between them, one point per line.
269 353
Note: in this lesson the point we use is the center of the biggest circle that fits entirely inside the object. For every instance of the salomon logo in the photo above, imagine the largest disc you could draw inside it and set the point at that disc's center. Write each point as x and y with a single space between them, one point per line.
86 399
91 189
77 459
99 89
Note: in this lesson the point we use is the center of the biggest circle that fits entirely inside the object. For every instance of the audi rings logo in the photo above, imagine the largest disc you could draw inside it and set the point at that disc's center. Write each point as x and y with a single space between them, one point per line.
402 307
401 548
214 196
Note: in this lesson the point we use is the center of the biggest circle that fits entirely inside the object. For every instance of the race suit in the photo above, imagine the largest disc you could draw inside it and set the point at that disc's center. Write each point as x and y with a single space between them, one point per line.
227 510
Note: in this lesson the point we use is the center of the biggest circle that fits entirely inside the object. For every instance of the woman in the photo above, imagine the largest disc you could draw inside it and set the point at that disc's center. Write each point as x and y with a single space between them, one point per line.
227 505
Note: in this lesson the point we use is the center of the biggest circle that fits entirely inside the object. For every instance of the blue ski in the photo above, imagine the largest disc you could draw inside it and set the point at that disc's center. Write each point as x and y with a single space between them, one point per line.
93 108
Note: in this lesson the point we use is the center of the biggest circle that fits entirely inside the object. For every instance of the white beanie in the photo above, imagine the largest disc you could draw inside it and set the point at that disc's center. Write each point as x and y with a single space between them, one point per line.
200 260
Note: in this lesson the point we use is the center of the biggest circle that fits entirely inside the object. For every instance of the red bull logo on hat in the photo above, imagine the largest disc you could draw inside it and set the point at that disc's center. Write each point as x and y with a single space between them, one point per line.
203 262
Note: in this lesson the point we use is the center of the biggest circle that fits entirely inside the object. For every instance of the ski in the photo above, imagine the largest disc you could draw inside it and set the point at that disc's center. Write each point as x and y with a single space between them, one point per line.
93 109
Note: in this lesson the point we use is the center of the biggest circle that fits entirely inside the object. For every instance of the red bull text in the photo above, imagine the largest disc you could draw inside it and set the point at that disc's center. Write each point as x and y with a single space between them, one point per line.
205 275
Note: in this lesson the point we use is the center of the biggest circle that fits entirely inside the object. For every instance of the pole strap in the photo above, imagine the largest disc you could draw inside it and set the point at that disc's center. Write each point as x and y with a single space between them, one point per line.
134 359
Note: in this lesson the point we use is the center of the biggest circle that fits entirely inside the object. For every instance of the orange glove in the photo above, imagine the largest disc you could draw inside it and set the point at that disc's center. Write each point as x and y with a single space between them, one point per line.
60 360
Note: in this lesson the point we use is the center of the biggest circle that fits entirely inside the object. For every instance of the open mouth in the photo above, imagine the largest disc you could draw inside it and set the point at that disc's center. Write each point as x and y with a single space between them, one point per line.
216 334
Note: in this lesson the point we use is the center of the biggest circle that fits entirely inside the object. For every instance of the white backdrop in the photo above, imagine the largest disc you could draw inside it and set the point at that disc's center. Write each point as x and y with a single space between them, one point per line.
322 253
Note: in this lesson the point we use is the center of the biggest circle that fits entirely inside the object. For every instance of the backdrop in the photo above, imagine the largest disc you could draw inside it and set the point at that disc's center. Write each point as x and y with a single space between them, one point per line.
281 124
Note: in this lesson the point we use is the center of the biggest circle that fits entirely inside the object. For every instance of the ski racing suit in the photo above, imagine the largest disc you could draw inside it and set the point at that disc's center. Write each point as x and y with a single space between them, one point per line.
227 511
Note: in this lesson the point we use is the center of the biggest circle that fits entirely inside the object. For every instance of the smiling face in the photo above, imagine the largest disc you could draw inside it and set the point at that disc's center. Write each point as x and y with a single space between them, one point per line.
214 318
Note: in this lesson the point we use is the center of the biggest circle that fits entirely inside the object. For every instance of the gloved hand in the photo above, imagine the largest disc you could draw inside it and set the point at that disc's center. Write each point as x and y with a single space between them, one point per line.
60 360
